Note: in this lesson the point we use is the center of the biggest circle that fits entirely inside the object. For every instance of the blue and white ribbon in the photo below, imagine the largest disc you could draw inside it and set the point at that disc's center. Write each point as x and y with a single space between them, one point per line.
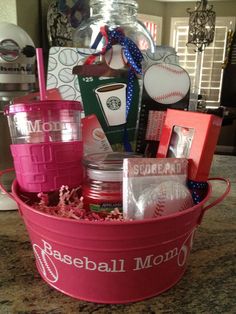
197 189
134 58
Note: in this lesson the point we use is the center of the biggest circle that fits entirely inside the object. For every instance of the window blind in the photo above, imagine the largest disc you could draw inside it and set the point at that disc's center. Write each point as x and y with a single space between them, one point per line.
212 58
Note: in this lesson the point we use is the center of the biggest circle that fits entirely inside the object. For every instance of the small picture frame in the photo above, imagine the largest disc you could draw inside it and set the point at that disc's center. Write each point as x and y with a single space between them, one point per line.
191 135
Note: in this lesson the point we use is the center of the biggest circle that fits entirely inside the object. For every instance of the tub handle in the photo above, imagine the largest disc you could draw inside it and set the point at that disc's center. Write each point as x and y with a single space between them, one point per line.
2 172
205 208
218 199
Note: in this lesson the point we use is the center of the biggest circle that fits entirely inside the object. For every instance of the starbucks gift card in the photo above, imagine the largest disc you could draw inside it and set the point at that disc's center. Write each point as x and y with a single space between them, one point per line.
104 91
106 98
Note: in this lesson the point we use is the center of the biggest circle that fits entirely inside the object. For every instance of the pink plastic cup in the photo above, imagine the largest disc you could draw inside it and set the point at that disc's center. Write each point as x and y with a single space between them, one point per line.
47 149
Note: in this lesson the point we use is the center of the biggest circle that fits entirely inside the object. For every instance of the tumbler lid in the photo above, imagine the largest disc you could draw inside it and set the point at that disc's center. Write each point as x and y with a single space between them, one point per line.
43 105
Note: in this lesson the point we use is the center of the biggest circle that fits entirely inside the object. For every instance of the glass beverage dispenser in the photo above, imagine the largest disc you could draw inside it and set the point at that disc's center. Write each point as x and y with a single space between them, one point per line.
113 13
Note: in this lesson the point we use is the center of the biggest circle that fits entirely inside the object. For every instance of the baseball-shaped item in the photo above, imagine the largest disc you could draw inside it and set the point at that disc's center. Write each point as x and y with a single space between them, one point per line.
52 63
52 81
76 84
163 199
67 92
98 134
45 264
166 83
66 75
54 50
68 57
115 57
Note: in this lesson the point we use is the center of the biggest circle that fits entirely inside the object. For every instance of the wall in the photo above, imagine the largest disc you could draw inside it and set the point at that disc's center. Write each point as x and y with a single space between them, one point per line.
178 9
28 18
24 13
8 11
151 7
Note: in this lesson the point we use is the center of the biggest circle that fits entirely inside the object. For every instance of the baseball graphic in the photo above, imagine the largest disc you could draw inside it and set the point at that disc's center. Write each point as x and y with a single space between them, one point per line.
68 57
166 83
65 75
78 98
67 92
51 81
171 58
54 50
52 63
76 84
98 134
163 199
61 62
45 264
115 57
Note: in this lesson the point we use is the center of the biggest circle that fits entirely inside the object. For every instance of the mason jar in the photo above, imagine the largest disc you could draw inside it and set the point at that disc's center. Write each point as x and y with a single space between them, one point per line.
103 177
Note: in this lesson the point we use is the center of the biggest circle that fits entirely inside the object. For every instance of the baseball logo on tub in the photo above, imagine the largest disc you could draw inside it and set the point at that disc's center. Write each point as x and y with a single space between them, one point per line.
47 257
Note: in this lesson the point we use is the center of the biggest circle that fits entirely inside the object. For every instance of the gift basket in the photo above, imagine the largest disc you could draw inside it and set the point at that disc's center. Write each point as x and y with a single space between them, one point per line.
112 187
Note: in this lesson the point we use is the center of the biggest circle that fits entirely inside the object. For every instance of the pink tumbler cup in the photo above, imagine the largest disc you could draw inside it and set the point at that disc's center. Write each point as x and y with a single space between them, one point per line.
46 144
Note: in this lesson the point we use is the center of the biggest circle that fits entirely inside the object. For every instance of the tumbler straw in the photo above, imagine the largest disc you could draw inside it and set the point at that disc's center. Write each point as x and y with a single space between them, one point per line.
41 79
40 66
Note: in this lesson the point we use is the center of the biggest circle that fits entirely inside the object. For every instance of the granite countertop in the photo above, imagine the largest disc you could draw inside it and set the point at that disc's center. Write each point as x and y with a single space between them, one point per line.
208 286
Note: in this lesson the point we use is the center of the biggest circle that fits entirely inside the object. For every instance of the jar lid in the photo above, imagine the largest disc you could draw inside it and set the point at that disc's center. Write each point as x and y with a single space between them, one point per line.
107 166
108 176
107 161
43 105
